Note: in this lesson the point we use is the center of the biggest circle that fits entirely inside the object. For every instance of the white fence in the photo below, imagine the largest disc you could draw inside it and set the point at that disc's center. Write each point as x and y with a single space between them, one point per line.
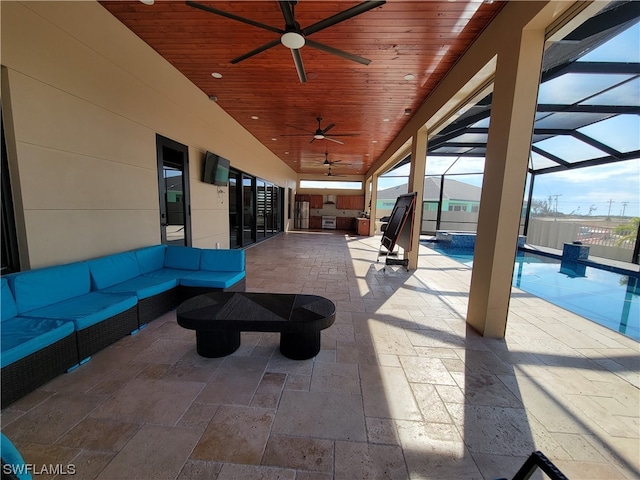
602 242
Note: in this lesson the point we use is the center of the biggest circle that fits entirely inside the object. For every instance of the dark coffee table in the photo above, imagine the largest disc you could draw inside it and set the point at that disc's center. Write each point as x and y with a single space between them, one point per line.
219 317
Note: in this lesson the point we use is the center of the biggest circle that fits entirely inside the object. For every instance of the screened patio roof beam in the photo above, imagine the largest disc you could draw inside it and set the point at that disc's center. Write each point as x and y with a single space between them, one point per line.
589 67
444 139
621 68
465 145
614 109
461 155
596 144
594 162
461 124
550 156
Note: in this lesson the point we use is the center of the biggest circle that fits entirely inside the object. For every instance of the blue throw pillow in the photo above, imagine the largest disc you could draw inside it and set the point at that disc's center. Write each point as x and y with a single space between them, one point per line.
182 258
8 308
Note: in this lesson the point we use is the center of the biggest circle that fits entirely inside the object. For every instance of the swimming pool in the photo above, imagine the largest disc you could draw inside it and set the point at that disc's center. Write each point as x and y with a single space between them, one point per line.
607 298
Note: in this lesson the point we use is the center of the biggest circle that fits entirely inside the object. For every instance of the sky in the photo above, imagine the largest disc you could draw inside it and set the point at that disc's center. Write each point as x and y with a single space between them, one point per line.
612 189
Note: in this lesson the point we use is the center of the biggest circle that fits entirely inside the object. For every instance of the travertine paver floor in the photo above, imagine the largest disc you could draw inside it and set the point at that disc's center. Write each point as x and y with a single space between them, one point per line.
402 388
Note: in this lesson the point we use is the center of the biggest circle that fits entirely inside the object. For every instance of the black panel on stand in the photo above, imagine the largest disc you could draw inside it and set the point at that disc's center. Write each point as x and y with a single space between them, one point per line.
396 231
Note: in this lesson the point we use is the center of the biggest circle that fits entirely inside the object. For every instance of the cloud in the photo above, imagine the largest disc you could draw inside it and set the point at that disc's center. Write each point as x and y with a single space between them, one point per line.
626 170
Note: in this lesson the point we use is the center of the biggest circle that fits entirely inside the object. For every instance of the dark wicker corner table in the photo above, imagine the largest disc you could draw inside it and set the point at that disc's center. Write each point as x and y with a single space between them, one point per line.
219 317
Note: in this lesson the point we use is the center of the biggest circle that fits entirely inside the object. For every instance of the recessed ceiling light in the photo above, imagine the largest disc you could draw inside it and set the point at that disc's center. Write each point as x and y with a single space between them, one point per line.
374 141
254 117
286 153
366 154
385 119
216 75
409 76
274 139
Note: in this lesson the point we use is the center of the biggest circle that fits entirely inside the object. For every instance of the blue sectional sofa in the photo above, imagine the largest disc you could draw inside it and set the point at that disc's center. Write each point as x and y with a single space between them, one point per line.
55 318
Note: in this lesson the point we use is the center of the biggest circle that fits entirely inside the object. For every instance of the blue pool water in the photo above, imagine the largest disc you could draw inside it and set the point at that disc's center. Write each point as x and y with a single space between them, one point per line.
605 297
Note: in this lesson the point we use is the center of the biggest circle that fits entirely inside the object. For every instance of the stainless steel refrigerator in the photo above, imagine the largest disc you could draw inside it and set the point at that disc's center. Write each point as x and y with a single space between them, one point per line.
301 215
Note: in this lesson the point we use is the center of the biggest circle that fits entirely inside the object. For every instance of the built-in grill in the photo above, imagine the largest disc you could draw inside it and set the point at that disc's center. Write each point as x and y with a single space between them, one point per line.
329 222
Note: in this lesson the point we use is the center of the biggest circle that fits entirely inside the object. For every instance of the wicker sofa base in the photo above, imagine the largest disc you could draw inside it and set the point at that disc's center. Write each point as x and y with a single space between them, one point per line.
29 373
153 307
188 292
96 337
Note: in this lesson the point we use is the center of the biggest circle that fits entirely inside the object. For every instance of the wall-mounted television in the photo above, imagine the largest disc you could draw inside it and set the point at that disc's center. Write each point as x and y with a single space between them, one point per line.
215 169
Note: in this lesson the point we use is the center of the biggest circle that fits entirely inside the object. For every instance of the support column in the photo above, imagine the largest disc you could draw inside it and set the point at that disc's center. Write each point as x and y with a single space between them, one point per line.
416 184
512 116
373 199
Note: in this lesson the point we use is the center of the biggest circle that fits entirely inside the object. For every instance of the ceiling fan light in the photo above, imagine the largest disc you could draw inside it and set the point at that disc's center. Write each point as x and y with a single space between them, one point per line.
318 136
292 40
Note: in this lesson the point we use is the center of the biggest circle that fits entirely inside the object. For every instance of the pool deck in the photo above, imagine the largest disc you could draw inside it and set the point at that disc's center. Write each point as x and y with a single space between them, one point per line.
402 387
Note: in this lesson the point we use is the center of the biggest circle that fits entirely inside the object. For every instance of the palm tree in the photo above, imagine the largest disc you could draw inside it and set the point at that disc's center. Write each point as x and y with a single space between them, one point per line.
628 232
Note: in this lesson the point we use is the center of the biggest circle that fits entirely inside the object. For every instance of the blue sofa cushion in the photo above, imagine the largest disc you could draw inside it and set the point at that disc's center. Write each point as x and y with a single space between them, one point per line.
182 258
150 258
11 457
22 336
87 309
169 274
34 289
8 307
222 260
112 269
212 279
144 286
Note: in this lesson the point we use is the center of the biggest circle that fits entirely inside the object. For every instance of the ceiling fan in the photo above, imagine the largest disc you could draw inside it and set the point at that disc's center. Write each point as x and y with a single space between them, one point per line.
331 163
320 133
329 174
294 37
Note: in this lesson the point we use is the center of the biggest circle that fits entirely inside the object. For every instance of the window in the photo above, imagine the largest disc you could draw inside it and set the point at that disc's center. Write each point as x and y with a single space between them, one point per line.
331 184
457 208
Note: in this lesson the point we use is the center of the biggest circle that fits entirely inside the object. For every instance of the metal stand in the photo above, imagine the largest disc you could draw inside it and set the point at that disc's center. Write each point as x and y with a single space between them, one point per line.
395 231
538 460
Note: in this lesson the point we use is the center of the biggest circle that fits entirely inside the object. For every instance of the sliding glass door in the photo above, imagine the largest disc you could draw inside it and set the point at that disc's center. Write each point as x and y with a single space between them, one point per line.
255 209
248 210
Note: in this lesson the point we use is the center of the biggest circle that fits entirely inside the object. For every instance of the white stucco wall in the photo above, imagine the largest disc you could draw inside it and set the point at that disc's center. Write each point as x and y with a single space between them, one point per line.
83 99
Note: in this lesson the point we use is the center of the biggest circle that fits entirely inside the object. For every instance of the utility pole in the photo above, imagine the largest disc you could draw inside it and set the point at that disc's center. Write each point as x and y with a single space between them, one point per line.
556 201
611 201
624 205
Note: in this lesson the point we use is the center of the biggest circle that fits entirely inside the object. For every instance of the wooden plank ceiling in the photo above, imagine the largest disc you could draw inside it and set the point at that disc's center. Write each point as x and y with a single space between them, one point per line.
367 103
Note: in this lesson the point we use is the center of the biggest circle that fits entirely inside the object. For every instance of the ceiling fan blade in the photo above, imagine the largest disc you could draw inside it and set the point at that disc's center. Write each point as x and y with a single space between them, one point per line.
221 13
287 13
296 134
258 50
328 128
345 134
309 132
341 17
297 59
333 140
339 53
